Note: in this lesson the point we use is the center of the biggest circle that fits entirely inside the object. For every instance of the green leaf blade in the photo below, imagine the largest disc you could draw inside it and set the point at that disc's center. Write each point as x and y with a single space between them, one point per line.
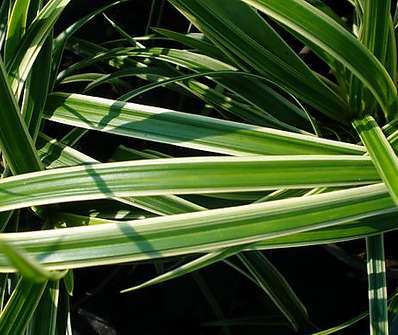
381 152
314 25
196 132
377 290
16 28
197 232
276 287
253 45
15 141
21 306
183 176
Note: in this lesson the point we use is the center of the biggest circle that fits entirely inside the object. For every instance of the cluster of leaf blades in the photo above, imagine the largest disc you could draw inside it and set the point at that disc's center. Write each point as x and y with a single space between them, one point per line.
273 134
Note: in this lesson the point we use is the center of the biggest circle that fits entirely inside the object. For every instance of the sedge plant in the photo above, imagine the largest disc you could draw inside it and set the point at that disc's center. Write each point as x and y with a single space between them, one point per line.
308 156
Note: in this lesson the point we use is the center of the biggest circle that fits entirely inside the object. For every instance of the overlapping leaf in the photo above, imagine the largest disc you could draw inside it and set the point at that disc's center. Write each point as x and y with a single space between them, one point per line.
200 231
317 27
186 130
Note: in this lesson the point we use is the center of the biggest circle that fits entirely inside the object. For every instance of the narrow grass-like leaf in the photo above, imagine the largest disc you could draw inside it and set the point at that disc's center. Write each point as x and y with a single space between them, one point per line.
69 282
347 232
97 55
317 27
277 112
193 41
193 131
56 154
375 35
253 44
342 326
82 77
63 317
3 21
4 219
392 58
21 64
276 287
381 152
353 230
3 290
28 267
344 232
21 306
74 136
123 33
34 9
96 80
203 231
230 76
375 27
123 153
211 300
16 27
194 265
36 90
263 97
210 96
183 175
15 142
377 290
62 38
44 321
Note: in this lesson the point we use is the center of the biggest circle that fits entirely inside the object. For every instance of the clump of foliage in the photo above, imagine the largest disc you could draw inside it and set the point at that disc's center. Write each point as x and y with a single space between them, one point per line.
299 157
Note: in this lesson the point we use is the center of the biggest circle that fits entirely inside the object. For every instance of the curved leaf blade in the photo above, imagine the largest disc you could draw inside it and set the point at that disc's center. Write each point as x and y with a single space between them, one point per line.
21 306
380 151
189 267
182 129
317 27
15 141
253 44
182 175
377 286
197 232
